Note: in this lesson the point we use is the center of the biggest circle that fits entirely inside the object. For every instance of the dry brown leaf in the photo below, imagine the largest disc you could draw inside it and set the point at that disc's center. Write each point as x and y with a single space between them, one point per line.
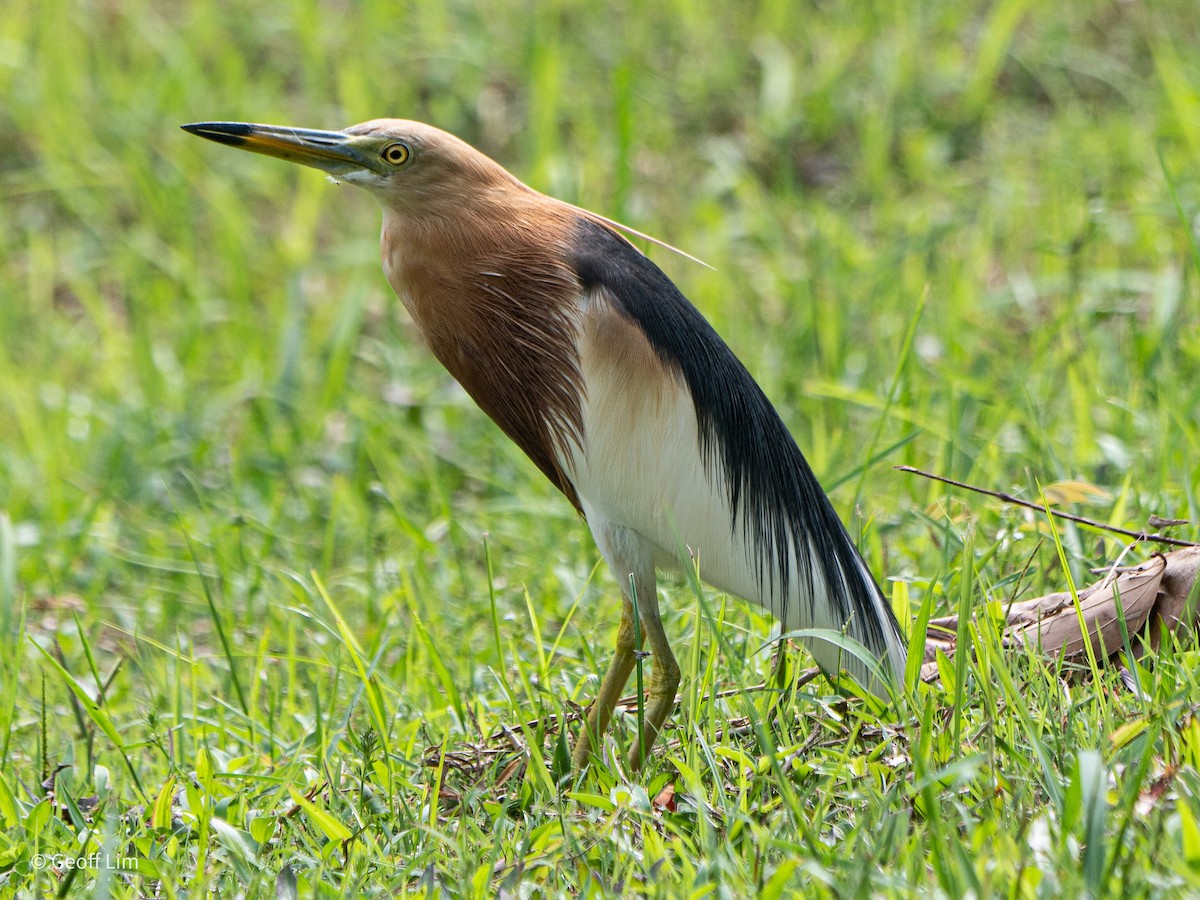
1157 521
1176 606
1052 624
665 799
1157 594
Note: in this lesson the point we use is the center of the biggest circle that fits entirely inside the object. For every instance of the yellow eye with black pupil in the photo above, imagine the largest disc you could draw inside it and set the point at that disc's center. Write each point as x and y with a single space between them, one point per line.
396 154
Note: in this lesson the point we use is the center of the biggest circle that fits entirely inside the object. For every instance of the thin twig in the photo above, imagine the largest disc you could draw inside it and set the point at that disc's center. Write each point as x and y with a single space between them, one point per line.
1071 517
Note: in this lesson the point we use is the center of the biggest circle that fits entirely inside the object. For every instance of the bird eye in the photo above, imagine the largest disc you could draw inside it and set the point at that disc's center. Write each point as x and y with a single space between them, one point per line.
396 154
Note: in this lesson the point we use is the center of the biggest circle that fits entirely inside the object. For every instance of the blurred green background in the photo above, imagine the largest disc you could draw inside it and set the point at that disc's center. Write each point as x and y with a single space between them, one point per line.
211 405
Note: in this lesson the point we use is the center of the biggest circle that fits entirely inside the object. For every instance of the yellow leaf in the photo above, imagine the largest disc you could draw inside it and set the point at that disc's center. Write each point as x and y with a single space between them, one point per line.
1126 733
1063 492
777 883
9 818
330 827
1189 832
204 770
161 816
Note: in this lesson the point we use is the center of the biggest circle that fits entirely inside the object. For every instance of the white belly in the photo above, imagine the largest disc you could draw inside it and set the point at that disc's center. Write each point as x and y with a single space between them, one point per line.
642 467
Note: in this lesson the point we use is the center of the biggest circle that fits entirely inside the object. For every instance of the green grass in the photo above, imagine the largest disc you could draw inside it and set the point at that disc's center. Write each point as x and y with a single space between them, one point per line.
268 578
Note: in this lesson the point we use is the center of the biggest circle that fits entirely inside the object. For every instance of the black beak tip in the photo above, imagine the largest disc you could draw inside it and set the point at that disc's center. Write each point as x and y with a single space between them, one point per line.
232 133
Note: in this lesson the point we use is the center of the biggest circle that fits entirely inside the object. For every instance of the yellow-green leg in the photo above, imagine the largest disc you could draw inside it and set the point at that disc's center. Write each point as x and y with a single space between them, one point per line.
629 556
610 689
664 675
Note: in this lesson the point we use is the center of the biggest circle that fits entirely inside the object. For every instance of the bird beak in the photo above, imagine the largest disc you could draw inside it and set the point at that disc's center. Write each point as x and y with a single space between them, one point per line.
334 152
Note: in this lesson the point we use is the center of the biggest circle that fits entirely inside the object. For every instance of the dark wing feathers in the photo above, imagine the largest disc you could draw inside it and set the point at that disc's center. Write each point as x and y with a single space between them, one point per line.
770 482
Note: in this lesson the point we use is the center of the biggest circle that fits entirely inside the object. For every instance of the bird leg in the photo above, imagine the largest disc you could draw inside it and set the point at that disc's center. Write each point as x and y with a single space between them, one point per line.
610 689
664 675
629 557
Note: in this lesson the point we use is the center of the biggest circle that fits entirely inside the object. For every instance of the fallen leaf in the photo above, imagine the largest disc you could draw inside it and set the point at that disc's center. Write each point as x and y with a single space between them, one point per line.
1053 623
1156 597
665 799
1063 492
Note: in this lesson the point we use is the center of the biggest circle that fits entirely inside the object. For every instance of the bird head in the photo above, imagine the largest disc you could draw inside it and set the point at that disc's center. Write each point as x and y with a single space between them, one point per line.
408 166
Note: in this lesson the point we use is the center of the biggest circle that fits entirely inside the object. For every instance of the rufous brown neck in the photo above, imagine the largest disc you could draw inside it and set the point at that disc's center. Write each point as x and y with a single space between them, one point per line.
489 287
